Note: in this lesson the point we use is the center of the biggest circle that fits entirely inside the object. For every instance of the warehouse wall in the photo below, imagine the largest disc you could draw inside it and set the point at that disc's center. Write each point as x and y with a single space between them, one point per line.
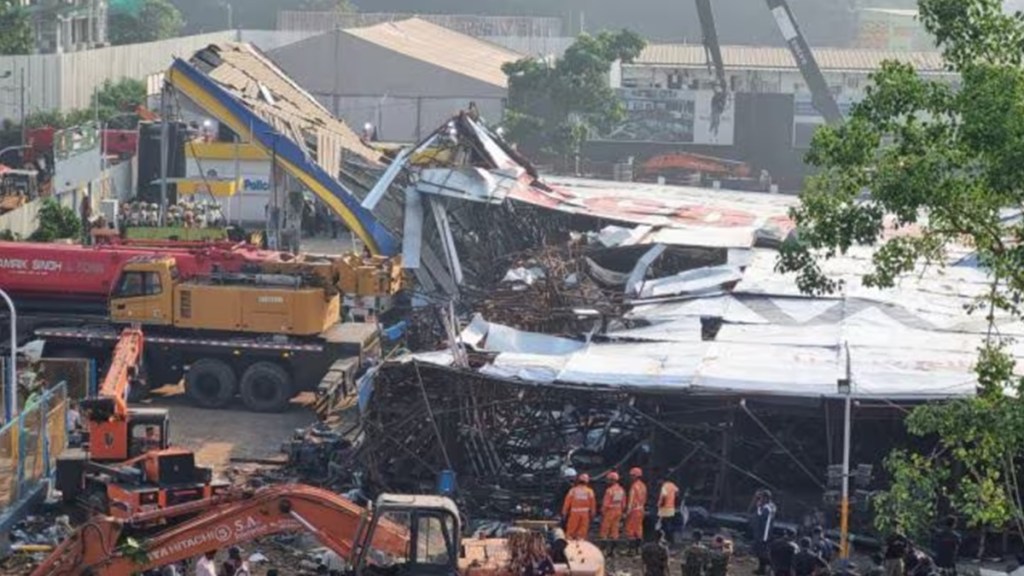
361 82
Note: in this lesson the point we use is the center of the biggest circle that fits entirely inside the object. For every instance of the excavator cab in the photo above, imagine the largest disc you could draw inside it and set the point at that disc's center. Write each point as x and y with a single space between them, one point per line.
410 536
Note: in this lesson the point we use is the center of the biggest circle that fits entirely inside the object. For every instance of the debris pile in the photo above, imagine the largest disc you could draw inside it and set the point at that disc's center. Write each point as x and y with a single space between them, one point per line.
548 290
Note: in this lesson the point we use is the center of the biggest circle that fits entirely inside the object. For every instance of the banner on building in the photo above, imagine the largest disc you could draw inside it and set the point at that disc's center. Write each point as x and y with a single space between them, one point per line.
672 117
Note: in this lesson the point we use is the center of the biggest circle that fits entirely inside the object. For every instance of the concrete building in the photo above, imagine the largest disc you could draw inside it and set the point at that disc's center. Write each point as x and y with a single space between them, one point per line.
681 72
406 78
67 25
768 121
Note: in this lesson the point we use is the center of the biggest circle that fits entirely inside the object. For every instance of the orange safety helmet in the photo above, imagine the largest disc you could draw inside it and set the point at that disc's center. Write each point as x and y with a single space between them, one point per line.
584 478
613 476
636 472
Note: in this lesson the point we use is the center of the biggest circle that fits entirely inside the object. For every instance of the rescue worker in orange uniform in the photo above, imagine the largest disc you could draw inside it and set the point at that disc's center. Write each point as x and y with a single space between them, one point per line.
612 506
579 507
668 509
635 507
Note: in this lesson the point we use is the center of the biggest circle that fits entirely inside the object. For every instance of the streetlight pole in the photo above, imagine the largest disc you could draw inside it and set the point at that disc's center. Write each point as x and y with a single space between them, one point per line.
21 83
11 391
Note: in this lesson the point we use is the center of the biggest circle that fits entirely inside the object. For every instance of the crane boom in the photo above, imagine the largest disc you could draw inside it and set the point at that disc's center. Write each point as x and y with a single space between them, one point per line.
337 523
709 33
821 97
111 402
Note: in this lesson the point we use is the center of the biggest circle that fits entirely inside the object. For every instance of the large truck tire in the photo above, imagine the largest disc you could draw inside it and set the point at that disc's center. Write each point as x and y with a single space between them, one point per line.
266 387
210 383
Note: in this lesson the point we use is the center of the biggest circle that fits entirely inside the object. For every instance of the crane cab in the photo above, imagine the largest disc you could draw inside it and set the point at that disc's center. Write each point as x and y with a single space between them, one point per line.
144 292
410 536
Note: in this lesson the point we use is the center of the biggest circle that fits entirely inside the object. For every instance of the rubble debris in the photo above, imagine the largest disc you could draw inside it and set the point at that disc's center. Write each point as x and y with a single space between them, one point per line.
508 440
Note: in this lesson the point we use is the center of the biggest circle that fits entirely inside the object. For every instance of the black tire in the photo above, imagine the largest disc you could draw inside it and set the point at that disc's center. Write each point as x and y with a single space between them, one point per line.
210 383
266 387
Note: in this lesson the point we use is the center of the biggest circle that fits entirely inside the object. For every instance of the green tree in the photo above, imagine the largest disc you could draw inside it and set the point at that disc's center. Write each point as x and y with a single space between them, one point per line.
921 164
17 30
56 222
343 6
553 105
119 97
135 21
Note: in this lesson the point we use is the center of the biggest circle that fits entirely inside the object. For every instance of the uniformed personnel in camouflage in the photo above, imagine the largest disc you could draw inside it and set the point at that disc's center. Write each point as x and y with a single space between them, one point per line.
719 556
655 556
696 556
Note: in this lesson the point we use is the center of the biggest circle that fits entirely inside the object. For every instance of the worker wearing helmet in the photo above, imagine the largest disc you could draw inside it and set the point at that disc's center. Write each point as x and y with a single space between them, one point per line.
579 507
635 506
612 507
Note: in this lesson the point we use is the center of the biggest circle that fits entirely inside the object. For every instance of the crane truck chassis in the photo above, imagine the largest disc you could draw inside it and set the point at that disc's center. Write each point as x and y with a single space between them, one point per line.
267 372
405 535
230 320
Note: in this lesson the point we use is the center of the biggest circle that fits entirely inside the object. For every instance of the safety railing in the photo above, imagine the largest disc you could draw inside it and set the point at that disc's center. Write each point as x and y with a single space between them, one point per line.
30 444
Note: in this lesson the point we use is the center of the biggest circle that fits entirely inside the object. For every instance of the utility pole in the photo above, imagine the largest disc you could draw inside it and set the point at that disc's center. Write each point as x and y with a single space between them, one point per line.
11 391
24 128
845 387
165 135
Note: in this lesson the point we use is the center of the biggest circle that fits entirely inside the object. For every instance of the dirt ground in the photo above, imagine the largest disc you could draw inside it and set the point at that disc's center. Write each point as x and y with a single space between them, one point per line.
220 436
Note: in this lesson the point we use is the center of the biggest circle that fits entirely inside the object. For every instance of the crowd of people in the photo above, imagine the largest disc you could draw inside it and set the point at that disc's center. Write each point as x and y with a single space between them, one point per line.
779 550
186 212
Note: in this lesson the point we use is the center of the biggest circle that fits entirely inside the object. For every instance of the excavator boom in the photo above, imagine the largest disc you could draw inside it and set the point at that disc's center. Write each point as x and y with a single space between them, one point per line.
111 402
338 524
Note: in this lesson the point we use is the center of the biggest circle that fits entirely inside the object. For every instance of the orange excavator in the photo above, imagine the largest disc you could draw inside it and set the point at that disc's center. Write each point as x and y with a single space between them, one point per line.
403 536
127 466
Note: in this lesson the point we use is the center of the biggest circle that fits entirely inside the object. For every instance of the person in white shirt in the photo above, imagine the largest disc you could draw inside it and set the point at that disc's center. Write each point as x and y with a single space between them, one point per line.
207 566
74 421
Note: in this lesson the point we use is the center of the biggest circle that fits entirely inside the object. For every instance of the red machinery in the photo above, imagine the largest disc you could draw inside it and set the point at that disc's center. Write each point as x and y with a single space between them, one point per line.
687 162
86 274
402 534
127 466
107 413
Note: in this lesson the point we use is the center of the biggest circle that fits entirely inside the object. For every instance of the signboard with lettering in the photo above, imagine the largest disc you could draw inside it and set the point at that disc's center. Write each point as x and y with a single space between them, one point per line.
672 116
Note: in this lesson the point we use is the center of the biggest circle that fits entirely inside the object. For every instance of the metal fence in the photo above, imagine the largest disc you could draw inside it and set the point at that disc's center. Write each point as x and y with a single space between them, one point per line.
45 82
30 445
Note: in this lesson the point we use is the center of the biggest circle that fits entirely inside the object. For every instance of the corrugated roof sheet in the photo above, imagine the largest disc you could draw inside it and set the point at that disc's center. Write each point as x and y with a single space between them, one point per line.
765 58
442 47
251 77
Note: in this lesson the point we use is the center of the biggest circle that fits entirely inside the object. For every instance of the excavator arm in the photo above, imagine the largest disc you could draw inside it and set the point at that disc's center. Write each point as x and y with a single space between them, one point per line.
97 549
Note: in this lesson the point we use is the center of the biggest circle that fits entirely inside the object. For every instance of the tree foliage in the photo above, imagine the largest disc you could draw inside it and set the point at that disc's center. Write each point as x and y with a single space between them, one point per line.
56 222
17 29
342 6
115 98
552 106
135 21
921 164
